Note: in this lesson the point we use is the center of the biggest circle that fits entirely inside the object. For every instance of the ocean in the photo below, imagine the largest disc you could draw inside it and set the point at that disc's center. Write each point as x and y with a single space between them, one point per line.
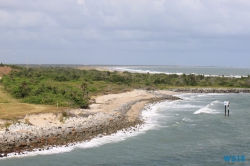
191 131
207 71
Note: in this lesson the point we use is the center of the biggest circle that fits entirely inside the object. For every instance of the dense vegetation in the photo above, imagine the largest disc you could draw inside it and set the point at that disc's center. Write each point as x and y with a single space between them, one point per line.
73 88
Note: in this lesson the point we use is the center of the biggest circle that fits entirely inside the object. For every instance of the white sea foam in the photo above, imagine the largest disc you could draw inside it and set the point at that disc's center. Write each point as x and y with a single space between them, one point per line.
133 70
144 71
136 70
195 97
149 114
208 109
187 96
216 94
187 120
176 105
35 152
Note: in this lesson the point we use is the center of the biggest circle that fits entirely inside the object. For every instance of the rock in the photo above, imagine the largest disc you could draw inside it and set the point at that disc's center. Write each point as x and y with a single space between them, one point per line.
22 137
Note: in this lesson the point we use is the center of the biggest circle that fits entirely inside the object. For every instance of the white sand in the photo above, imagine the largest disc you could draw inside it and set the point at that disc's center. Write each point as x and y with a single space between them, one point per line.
42 120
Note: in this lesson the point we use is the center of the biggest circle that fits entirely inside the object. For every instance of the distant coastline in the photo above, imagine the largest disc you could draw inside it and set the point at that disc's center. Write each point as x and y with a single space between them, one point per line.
208 71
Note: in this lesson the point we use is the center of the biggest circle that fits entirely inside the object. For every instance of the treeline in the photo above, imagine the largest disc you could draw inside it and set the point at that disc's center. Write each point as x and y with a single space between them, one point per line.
72 87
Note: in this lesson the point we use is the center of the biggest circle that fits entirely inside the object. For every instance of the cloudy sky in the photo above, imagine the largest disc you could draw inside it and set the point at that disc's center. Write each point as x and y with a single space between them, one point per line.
132 32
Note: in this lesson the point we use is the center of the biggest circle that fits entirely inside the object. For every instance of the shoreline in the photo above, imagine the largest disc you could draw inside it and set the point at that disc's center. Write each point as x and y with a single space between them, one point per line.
109 114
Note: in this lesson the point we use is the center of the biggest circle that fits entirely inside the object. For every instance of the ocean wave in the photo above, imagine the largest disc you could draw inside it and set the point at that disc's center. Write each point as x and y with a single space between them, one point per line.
208 109
176 105
181 106
196 97
186 96
193 96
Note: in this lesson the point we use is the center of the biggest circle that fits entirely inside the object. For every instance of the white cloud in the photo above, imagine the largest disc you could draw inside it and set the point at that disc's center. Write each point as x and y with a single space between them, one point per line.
192 4
80 2
166 25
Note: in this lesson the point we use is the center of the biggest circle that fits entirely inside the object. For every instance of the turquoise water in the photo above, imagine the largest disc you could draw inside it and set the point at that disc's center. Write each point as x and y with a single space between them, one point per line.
192 131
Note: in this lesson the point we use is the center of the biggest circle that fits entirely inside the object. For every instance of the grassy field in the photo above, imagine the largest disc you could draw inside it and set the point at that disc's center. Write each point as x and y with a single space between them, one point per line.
13 108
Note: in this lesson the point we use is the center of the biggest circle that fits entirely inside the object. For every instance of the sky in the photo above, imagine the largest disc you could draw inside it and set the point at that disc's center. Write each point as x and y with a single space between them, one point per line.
126 32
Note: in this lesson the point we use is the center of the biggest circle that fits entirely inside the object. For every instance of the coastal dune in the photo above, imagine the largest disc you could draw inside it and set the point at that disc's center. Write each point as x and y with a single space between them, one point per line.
107 115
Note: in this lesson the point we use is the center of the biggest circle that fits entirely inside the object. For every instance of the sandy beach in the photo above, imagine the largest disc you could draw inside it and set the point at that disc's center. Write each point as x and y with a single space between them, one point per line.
103 104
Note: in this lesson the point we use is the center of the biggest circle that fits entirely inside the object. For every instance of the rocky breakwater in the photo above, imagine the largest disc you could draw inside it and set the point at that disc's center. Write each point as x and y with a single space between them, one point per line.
211 90
19 138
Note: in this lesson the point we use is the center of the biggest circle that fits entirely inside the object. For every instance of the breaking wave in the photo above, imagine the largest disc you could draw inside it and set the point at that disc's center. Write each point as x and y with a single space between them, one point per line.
208 109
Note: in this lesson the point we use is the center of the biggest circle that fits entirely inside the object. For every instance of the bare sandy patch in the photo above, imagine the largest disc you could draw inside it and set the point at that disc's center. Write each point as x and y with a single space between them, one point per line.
110 102
42 120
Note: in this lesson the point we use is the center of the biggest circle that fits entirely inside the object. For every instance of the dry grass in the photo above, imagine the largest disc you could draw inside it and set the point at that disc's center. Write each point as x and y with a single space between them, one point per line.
11 108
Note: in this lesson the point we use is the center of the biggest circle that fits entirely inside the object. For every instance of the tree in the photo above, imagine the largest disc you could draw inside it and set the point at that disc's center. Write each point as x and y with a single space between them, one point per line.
84 86
23 90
